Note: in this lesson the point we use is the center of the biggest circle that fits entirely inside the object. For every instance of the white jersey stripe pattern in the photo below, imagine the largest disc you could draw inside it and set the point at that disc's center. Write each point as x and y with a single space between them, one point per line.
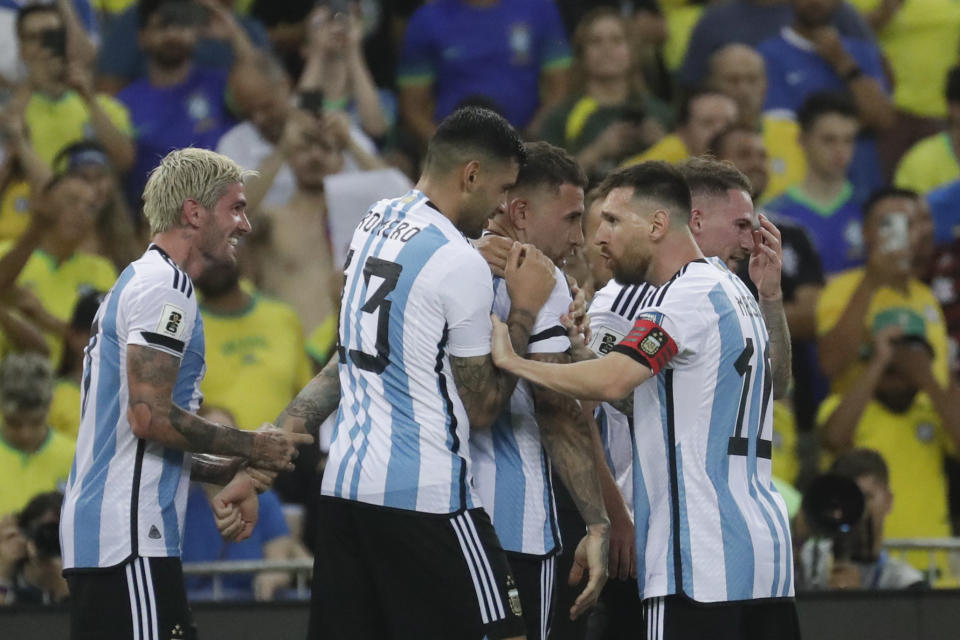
416 293
484 582
709 523
126 496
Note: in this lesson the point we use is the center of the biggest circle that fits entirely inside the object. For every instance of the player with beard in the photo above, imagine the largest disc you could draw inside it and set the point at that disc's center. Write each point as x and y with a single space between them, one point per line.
711 528
126 497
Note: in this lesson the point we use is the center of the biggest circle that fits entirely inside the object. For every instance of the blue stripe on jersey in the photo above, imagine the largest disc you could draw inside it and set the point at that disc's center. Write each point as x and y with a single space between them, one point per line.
404 466
641 516
357 276
737 550
86 531
551 528
664 420
510 486
685 548
602 422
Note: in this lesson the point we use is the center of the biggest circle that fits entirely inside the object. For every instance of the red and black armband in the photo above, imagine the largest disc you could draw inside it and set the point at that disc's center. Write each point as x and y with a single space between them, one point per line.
648 344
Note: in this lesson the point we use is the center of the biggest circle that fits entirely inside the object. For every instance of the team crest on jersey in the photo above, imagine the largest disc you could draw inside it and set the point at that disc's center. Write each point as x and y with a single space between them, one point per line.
513 596
176 633
653 342
171 321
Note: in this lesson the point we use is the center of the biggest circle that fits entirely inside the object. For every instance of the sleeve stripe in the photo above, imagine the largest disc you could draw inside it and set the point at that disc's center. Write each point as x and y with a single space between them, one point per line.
160 340
553 332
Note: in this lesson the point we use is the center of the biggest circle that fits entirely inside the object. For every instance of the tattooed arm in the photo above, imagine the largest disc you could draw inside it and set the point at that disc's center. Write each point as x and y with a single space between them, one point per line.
483 387
780 349
566 437
314 403
151 376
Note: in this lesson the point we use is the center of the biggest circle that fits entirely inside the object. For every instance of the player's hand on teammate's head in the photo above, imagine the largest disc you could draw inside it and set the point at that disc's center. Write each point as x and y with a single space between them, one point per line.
530 278
501 348
275 450
495 250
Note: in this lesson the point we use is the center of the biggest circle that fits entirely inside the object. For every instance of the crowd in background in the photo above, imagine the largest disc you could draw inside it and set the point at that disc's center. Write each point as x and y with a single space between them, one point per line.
845 116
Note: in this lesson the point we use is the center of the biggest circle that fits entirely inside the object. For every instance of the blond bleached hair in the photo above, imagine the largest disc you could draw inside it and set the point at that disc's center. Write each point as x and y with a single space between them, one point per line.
187 174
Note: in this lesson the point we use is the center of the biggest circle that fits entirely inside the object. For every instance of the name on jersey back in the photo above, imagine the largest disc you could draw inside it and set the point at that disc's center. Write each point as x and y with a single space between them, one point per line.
375 224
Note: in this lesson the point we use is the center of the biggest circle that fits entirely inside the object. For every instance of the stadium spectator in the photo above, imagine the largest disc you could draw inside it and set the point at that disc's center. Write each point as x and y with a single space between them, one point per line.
271 540
738 71
702 115
33 457
39 576
871 566
852 300
22 172
751 22
900 408
264 98
61 106
336 69
178 103
932 162
47 261
825 202
13 548
65 405
291 251
124 58
513 52
918 39
609 113
256 358
811 56
114 236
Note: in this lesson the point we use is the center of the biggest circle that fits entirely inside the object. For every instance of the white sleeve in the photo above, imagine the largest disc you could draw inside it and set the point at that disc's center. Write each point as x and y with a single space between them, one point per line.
466 292
160 316
606 327
549 335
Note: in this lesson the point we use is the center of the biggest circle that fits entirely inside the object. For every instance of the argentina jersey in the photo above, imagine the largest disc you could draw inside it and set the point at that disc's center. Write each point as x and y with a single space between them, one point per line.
611 313
511 469
709 522
127 496
416 293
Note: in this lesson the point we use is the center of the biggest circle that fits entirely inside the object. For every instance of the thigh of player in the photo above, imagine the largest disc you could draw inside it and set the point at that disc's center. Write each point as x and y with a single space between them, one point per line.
142 599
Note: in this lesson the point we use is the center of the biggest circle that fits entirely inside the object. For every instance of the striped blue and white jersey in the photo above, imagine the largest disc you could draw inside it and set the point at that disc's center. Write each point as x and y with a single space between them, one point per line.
709 522
511 469
612 312
126 496
416 293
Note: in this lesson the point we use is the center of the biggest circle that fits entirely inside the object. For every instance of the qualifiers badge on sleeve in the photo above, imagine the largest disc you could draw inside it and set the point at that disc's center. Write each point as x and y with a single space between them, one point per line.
603 340
172 322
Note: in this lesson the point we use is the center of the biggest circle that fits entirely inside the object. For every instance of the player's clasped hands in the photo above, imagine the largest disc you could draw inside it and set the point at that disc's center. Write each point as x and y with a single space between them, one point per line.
275 449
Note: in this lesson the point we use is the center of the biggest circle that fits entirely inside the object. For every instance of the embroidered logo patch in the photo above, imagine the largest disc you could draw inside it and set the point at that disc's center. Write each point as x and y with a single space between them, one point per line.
171 321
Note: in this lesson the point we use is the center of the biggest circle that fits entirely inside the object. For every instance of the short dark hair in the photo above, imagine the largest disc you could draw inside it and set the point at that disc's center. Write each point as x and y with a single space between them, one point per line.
550 166
861 462
28 10
686 104
472 131
39 505
708 176
715 146
953 85
883 193
823 103
656 181
175 11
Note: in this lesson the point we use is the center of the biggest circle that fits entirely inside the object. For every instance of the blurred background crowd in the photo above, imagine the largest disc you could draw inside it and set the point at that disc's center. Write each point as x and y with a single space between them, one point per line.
844 115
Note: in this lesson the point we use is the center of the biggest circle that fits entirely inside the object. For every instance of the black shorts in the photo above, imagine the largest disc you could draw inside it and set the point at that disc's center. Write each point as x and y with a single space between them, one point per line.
389 573
142 599
679 618
619 612
534 576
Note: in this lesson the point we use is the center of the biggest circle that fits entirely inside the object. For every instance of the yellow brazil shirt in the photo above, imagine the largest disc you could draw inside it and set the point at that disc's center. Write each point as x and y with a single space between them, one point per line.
785 160
918 298
786 463
928 164
58 286
23 476
14 210
914 41
65 408
256 360
55 124
670 149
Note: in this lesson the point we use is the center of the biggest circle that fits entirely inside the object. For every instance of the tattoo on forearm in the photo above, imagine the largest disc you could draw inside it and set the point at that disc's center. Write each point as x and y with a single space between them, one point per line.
565 435
213 469
314 403
780 348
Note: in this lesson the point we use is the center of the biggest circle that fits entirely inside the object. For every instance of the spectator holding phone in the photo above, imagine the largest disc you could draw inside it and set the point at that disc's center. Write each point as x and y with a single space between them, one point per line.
38 578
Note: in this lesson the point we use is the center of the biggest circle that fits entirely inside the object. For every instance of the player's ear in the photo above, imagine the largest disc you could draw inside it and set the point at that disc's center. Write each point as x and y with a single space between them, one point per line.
470 176
191 213
659 224
517 209
696 220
